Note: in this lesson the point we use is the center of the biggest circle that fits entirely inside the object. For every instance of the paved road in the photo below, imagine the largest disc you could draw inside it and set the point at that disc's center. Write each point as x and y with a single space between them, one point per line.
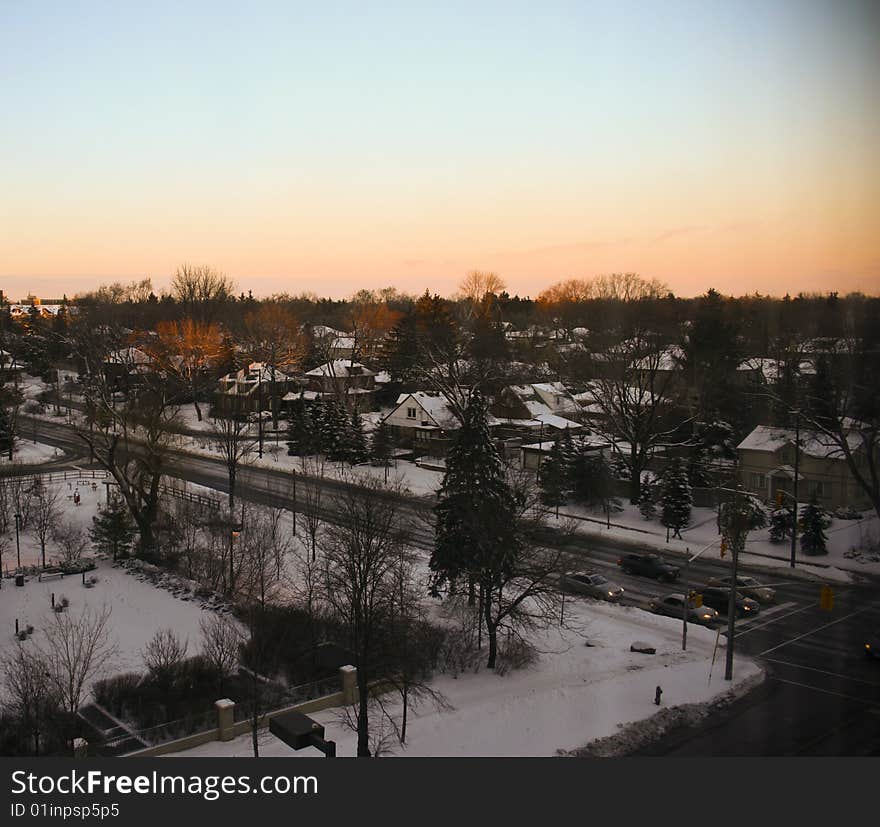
821 695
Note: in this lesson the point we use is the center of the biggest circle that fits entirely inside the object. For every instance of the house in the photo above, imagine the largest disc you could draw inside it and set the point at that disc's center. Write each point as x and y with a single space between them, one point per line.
534 400
423 421
258 387
533 455
127 366
767 460
351 382
331 343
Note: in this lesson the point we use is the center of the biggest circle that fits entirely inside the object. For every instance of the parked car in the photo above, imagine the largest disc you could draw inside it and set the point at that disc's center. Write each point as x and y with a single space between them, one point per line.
872 645
672 605
718 597
747 587
649 565
594 585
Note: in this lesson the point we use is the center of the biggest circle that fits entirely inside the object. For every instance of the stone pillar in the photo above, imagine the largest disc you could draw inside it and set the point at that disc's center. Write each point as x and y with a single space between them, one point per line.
225 719
80 748
348 675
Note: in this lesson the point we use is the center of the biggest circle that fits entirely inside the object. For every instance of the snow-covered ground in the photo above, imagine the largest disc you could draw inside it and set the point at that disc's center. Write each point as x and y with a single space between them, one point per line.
138 608
586 685
27 452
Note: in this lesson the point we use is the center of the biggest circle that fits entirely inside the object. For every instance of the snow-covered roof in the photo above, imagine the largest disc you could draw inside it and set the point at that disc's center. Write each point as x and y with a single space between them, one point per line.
129 356
772 369
340 368
545 398
383 377
559 422
768 439
668 359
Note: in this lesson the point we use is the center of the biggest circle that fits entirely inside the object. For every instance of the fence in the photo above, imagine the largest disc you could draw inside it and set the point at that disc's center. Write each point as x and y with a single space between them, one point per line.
202 500
275 696
64 476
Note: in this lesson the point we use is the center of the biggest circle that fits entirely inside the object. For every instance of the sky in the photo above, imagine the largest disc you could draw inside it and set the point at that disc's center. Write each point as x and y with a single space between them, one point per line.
327 147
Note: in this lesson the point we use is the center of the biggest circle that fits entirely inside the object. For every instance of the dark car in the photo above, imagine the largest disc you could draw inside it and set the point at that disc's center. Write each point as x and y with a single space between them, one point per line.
648 565
719 598
872 645
748 587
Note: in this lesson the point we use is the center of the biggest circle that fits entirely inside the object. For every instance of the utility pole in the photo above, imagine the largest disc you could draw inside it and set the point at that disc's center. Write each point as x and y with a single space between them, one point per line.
797 454
687 597
293 501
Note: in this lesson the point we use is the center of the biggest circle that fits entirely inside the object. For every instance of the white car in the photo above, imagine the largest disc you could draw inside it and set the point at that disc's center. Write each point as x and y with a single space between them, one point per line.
594 585
672 605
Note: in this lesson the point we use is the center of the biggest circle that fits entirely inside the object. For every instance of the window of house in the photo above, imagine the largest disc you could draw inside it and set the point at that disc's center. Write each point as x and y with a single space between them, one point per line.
819 489
410 413
756 481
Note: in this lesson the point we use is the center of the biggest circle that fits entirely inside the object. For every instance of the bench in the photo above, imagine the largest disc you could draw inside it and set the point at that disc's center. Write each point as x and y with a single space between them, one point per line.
49 575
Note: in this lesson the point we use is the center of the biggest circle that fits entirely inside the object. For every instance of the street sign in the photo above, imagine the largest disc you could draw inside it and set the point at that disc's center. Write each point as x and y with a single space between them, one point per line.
826 598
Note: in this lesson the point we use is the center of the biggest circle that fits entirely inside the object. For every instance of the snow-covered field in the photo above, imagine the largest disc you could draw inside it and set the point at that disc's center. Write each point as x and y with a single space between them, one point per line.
138 611
27 452
586 685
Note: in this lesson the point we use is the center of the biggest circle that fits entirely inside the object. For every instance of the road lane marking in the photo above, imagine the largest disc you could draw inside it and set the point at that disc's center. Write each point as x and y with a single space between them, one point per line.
823 672
811 632
829 692
774 620
751 620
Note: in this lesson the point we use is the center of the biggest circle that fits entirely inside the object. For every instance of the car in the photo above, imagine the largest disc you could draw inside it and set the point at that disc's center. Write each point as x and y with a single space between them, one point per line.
649 565
872 645
718 597
672 605
592 584
747 587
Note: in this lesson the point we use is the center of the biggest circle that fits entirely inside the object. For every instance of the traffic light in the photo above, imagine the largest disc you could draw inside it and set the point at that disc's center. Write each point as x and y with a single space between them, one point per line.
723 548
826 598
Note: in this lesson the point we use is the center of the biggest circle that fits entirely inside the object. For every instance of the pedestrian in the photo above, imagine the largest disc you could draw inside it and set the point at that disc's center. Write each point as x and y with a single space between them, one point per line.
657 693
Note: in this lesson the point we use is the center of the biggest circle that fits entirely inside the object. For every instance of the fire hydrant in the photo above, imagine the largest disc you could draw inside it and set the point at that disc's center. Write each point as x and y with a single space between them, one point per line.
657 693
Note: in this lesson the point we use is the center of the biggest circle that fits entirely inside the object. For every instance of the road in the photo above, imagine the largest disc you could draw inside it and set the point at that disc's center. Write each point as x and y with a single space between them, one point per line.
821 695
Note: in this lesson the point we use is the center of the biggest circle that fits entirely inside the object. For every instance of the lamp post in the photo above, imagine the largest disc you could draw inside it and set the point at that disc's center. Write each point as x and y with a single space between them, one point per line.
797 454
17 540
293 501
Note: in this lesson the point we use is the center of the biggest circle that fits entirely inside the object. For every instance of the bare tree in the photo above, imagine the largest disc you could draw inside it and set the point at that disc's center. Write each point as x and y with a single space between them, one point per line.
71 540
32 696
635 402
310 509
477 283
222 639
164 655
200 289
77 649
361 555
234 438
260 557
45 512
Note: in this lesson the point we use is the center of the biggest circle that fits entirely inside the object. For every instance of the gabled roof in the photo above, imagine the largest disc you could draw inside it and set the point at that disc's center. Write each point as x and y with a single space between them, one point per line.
769 440
339 368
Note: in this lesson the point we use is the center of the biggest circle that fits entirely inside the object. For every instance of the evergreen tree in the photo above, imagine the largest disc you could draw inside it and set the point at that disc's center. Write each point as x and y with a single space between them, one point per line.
334 430
300 436
382 445
112 530
553 477
676 498
813 523
648 499
7 434
780 524
476 530
592 481
356 442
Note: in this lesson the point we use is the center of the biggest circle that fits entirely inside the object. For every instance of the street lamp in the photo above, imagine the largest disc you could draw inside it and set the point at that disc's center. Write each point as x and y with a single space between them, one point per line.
17 541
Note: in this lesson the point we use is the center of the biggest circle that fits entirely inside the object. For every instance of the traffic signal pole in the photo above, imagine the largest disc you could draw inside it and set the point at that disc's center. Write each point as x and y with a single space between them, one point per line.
687 593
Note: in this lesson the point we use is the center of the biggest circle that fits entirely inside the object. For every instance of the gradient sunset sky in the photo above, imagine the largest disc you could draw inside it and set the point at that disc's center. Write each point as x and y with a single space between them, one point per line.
328 146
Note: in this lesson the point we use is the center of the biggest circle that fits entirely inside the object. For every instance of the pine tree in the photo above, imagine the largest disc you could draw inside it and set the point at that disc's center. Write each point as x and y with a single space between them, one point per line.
299 437
356 442
113 530
7 434
676 498
813 523
382 445
553 477
780 524
334 430
476 531
648 499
